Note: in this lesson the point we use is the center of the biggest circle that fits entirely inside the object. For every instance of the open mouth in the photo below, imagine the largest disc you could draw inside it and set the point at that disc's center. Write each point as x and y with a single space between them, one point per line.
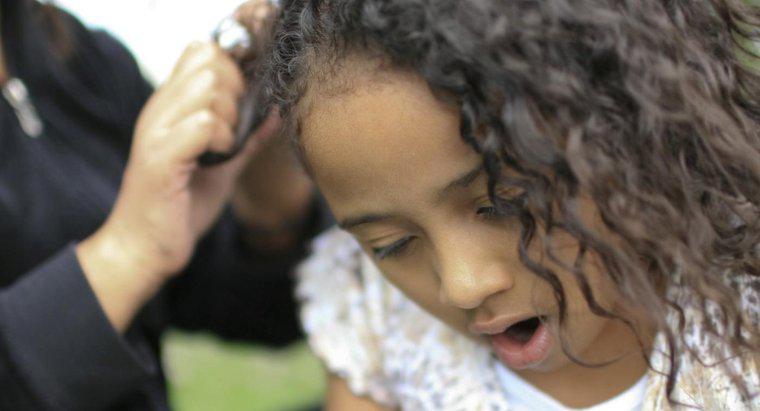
523 331
524 344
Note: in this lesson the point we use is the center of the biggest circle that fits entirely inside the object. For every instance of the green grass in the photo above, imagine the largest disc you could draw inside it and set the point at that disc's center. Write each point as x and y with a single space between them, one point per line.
206 373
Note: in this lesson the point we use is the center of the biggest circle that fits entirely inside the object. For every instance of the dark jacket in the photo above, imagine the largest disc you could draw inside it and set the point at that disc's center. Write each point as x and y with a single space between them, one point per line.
57 349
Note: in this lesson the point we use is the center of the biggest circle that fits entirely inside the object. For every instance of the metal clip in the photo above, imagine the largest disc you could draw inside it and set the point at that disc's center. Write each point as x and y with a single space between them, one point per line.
17 95
232 37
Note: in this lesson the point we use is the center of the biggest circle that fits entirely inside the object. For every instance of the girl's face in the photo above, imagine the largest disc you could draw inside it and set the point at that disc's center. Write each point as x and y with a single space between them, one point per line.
390 162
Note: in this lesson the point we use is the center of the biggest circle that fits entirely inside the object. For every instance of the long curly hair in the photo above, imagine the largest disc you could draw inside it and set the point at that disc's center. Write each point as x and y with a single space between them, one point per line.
649 107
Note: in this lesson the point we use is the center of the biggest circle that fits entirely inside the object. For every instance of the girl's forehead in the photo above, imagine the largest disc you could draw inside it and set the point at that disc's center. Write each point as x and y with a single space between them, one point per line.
374 141
396 114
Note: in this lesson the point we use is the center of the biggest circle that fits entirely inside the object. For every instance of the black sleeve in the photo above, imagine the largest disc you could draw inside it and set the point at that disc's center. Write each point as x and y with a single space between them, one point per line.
58 350
238 293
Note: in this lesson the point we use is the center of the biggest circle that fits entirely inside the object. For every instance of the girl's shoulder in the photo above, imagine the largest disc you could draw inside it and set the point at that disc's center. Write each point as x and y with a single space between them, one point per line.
380 342
708 375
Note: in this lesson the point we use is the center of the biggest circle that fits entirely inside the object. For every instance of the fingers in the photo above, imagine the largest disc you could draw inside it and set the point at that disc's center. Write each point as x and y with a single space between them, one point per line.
204 78
204 90
195 110
200 132
204 56
254 14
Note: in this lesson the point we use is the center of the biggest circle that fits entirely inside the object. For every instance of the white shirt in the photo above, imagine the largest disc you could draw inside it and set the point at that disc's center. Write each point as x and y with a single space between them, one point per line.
523 396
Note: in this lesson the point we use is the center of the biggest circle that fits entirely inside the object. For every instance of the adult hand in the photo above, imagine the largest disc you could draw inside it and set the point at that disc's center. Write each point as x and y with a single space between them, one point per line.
166 201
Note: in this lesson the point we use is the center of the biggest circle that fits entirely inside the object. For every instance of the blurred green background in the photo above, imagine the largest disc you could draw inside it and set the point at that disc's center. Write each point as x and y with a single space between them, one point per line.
206 373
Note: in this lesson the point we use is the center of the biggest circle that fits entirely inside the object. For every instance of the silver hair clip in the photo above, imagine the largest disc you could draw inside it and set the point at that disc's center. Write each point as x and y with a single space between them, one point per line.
230 34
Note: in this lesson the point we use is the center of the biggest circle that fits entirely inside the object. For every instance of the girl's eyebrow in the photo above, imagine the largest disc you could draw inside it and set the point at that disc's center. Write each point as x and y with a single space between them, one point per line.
351 222
462 181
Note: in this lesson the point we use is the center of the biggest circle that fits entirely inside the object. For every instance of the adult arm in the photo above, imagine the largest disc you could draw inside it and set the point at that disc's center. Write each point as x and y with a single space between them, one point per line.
65 341
57 348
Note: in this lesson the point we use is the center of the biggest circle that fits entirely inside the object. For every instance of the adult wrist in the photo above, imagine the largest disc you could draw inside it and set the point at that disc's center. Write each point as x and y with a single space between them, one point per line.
122 279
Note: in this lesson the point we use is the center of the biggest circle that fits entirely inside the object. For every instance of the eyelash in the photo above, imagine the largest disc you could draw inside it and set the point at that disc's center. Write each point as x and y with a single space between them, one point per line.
393 250
489 213
511 208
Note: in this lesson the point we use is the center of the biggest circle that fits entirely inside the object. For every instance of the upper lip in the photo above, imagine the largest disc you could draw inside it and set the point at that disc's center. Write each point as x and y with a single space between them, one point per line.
498 325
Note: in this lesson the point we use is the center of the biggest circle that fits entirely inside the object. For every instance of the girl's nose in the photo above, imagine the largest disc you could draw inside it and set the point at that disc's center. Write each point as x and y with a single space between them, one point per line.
469 274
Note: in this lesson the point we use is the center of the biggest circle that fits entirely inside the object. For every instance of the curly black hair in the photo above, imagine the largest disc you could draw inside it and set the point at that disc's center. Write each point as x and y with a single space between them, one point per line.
650 107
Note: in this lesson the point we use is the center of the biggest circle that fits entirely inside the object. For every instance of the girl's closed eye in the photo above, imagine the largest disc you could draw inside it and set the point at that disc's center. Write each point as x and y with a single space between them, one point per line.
394 249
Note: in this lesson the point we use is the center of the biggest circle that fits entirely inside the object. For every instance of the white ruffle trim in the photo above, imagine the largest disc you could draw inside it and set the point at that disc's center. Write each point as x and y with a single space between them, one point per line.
335 315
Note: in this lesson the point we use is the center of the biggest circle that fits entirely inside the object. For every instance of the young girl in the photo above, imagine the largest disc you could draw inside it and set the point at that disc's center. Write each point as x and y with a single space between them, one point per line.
551 204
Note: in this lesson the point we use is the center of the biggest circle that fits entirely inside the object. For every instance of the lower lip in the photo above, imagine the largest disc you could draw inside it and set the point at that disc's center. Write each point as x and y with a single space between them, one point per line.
520 356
